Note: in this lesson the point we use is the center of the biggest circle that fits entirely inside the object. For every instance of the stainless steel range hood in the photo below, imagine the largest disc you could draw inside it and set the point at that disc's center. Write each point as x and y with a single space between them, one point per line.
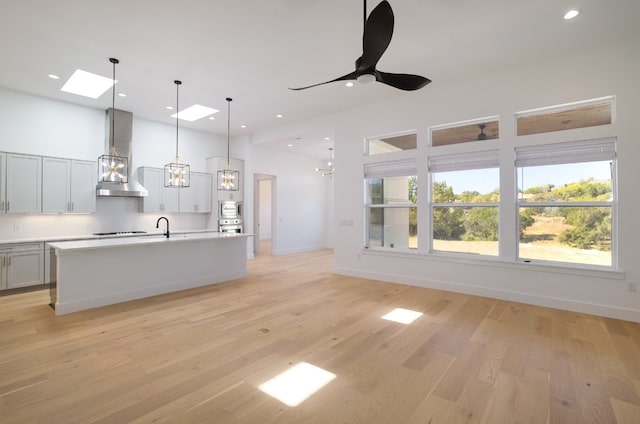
122 140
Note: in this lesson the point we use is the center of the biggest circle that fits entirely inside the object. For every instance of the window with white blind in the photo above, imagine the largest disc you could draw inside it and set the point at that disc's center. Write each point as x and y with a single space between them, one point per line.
465 194
391 212
566 202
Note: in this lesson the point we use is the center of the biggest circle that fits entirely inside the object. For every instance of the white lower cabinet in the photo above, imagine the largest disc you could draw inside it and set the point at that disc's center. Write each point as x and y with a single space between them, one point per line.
21 265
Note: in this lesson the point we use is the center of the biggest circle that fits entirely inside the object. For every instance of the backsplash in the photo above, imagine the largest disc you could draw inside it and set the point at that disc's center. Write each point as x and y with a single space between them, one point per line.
112 214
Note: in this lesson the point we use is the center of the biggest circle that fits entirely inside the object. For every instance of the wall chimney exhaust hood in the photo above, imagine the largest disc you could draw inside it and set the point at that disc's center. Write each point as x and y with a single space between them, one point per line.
122 139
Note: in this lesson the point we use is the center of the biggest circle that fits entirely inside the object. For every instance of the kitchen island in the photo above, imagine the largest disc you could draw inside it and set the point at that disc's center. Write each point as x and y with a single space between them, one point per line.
93 273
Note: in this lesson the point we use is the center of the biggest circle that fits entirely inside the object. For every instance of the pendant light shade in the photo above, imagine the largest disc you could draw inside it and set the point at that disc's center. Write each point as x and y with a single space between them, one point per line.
228 179
177 174
113 168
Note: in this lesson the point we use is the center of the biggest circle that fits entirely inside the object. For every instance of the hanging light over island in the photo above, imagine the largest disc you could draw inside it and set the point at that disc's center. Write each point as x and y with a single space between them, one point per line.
177 174
228 178
113 168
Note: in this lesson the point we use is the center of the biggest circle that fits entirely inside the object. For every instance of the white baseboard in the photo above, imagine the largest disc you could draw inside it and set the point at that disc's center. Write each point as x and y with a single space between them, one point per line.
532 299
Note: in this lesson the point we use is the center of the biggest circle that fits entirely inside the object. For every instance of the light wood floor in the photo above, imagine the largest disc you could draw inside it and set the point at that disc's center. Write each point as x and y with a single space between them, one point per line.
198 356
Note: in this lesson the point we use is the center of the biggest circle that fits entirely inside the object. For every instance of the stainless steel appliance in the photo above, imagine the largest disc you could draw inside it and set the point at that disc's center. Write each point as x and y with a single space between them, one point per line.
230 216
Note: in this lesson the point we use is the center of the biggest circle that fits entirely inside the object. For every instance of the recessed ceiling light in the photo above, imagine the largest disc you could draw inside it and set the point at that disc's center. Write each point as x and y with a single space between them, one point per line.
212 118
53 76
86 84
169 107
289 145
122 95
571 14
195 112
243 126
349 84
327 138
278 116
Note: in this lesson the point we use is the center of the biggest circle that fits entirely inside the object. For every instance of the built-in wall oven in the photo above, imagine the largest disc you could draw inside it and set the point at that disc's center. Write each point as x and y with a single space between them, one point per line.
230 216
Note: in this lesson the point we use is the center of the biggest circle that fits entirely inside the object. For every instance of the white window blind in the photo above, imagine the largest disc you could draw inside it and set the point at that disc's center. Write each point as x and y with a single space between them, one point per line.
571 152
390 169
465 161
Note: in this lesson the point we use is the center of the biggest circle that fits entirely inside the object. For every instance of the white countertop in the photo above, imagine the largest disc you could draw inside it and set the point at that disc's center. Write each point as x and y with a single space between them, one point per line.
67 246
95 237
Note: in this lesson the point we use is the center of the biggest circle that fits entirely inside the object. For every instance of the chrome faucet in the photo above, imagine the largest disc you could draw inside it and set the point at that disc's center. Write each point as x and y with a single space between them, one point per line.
166 233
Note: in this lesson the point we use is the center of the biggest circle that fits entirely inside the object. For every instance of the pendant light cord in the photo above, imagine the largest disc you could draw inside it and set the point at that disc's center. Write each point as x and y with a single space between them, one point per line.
177 112
113 106
229 99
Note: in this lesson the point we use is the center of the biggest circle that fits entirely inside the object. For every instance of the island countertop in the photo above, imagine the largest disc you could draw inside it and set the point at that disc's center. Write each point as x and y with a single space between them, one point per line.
100 272
69 246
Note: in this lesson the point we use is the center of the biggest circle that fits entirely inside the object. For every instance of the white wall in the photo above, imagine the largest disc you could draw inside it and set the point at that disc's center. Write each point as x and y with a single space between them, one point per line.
302 199
555 81
610 71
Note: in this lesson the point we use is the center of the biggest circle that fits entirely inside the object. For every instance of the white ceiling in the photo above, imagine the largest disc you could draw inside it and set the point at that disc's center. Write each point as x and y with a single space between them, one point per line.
252 50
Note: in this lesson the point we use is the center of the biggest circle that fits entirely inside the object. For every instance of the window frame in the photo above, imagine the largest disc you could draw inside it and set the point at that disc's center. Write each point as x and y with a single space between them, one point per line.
556 159
381 170
482 160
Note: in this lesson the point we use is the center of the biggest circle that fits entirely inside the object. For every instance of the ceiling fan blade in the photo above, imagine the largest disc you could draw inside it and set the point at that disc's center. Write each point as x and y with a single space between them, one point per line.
378 30
350 76
406 82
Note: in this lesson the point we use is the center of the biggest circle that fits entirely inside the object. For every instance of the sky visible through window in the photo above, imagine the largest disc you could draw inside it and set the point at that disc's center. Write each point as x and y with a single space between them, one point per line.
486 180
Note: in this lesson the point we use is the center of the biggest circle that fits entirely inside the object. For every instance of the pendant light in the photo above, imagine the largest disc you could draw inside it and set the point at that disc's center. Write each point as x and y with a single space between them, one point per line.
328 171
177 174
113 168
228 179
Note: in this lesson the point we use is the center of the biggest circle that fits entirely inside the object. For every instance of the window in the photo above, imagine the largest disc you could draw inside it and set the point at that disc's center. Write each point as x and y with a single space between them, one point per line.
584 114
566 201
465 193
392 215
465 132
396 143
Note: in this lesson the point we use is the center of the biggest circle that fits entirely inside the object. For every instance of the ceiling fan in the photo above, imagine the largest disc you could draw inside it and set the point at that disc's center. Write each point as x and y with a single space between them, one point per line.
378 29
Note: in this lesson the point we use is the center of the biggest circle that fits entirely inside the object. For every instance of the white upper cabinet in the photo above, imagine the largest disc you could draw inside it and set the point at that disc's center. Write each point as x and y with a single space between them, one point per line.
160 198
83 186
56 196
197 197
23 184
68 186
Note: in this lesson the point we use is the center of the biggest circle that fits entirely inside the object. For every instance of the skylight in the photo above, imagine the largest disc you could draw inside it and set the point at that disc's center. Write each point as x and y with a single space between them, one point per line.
571 14
195 112
86 84
297 383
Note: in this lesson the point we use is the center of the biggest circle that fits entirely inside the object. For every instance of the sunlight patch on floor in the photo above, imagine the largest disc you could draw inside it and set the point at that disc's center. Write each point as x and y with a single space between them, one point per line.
297 383
403 316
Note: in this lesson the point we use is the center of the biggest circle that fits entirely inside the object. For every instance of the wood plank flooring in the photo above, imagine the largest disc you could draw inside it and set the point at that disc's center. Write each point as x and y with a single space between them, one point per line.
198 356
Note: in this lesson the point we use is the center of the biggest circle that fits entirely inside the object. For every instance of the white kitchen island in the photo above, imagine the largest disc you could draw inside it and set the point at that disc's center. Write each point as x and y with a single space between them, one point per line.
93 273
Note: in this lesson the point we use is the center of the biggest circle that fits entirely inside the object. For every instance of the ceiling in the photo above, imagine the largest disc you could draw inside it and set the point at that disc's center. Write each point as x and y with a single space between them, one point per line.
253 50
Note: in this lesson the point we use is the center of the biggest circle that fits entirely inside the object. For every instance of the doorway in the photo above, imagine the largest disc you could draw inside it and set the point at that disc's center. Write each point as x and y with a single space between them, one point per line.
263 222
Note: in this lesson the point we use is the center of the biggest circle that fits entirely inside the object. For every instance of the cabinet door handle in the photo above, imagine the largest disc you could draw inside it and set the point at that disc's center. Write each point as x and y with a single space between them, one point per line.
8 260
8 206
72 206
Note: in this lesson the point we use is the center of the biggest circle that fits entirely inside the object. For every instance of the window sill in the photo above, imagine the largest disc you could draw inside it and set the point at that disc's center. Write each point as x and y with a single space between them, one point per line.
496 262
